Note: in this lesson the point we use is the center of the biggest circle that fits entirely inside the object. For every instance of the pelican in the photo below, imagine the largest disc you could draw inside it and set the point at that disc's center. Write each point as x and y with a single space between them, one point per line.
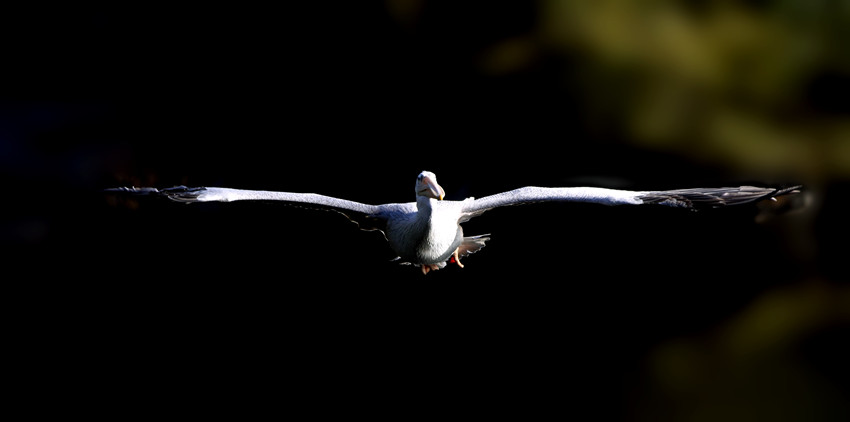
428 233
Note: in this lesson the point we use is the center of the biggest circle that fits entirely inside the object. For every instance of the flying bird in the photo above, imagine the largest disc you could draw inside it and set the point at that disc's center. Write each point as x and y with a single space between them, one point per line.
428 233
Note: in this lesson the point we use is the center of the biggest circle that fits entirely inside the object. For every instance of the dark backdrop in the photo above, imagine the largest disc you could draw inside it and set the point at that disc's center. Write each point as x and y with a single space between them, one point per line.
139 301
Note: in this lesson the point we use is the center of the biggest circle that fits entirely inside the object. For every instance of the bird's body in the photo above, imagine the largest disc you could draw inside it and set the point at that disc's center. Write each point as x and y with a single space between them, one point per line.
427 236
427 233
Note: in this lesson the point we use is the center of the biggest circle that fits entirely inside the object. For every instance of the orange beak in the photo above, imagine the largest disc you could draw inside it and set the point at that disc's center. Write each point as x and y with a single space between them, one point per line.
431 189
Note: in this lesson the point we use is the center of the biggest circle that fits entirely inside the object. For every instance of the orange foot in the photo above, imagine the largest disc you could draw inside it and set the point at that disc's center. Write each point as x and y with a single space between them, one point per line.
427 268
456 257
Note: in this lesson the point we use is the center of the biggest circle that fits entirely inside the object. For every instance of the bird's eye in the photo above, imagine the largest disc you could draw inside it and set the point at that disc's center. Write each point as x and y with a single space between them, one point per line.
420 177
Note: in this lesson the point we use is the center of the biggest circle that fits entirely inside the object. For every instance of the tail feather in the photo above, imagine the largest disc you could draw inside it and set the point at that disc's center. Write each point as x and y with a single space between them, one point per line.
472 244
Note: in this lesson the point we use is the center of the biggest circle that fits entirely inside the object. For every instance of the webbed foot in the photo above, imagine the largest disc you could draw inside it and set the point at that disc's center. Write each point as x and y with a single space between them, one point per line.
426 268
456 257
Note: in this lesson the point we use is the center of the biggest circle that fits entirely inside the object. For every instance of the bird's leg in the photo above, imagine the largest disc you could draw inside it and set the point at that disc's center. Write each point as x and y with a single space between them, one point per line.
428 267
456 256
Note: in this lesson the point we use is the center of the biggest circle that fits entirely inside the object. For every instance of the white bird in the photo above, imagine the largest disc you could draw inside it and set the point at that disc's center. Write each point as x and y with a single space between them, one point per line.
427 233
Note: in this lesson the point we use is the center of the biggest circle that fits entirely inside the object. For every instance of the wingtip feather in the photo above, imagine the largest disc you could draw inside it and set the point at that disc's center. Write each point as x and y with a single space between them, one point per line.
715 197
176 193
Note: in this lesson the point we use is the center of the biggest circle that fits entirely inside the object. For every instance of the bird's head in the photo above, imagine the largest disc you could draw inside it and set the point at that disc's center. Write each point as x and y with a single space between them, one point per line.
426 185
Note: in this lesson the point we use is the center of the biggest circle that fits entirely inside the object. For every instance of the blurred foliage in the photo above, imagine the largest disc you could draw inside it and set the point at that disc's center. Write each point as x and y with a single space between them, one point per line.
757 86
725 81
757 365
734 82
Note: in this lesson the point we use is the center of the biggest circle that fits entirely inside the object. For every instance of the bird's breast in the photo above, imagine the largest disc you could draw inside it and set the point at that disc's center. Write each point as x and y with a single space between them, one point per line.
425 239
443 237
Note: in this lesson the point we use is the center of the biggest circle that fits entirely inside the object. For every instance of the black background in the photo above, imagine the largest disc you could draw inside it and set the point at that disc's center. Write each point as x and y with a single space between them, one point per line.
139 302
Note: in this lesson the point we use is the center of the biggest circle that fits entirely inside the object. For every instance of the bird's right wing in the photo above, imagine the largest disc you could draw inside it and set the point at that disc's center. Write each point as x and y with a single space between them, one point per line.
368 217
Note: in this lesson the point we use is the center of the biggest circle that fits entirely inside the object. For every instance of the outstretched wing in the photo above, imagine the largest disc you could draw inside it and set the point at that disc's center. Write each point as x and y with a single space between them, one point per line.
713 198
684 198
368 217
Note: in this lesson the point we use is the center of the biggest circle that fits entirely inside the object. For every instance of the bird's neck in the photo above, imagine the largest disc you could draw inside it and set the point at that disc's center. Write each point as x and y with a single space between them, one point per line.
423 207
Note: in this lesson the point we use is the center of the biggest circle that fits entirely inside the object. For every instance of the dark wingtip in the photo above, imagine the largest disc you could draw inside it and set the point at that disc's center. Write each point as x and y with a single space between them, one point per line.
787 191
176 193
182 193
715 198
133 190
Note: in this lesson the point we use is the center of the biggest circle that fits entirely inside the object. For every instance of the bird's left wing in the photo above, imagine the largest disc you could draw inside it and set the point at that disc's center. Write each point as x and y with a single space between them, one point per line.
368 217
683 198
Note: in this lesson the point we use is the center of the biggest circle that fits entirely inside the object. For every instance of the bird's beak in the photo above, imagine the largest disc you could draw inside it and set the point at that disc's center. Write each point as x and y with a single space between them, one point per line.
432 189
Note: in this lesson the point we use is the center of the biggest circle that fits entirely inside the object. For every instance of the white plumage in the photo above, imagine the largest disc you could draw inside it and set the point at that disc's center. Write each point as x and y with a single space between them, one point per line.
428 233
